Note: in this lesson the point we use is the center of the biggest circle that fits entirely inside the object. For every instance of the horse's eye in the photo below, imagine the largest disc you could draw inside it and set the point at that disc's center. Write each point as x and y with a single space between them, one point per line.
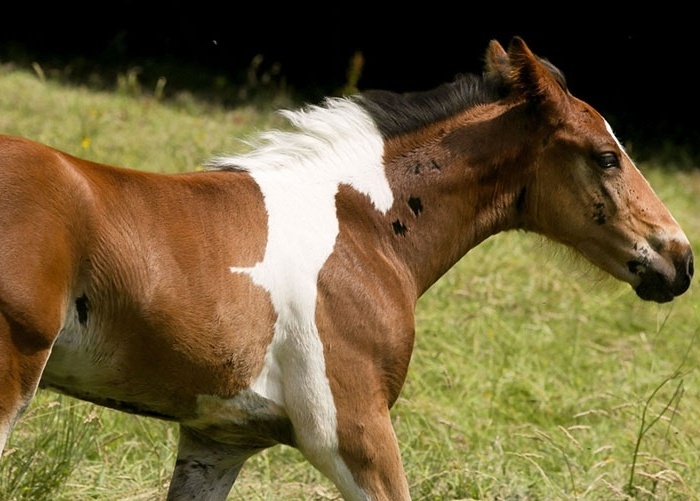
607 160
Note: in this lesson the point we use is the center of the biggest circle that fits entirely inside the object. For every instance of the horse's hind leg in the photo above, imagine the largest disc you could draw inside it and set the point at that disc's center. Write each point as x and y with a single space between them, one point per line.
32 298
23 355
205 470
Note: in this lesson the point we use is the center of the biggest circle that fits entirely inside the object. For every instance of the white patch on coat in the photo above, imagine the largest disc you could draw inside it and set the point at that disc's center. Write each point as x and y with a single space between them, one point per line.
299 174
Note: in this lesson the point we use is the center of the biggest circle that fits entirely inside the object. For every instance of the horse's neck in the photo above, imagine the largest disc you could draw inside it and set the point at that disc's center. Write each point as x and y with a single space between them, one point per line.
454 185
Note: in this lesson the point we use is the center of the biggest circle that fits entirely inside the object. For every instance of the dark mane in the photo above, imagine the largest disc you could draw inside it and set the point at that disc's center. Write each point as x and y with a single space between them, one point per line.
396 114
556 72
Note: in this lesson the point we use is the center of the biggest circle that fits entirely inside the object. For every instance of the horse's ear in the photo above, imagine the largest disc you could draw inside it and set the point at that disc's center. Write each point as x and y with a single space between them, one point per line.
531 77
496 61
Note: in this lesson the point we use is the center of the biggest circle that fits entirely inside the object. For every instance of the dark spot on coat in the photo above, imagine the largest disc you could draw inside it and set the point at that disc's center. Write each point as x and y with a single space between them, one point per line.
82 306
399 228
520 202
599 213
416 205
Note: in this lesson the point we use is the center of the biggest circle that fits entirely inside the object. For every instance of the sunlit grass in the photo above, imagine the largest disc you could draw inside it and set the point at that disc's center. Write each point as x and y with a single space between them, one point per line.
532 377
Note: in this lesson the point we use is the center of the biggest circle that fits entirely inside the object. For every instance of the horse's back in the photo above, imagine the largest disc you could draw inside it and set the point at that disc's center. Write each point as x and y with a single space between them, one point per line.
125 275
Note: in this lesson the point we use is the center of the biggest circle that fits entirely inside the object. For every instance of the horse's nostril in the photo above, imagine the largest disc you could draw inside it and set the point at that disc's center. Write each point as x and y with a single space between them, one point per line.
690 267
684 275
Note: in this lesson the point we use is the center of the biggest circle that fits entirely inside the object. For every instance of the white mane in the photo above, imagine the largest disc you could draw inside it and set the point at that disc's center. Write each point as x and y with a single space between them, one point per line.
330 133
334 144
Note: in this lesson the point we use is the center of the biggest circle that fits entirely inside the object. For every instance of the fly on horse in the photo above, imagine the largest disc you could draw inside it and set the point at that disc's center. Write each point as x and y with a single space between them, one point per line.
270 299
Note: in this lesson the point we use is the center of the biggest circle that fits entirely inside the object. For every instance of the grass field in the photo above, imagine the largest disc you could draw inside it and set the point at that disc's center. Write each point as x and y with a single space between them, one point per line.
533 377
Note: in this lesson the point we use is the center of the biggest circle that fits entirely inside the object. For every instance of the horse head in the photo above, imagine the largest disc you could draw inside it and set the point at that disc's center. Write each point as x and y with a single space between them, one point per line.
584 190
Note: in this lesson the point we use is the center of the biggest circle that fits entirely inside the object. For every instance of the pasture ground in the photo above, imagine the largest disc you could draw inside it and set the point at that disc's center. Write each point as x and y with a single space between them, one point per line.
533 377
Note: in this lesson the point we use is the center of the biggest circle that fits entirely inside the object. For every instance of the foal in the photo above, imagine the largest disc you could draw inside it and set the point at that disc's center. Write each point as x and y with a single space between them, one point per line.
270 300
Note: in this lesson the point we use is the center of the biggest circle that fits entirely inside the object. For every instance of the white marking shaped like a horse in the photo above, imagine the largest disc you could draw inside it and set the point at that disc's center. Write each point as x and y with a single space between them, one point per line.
299 175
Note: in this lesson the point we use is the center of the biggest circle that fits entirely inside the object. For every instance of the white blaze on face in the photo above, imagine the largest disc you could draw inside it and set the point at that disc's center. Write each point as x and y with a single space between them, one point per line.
680 236
619 144
299 174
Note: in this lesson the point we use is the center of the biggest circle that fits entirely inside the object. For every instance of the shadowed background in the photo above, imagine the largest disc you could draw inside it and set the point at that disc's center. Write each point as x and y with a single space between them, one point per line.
635 67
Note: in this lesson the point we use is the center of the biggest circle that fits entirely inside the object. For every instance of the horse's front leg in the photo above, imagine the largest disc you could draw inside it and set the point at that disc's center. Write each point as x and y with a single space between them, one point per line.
205 469
365 462
368 445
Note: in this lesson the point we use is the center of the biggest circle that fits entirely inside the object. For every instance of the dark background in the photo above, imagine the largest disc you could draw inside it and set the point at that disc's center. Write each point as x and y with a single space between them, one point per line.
637 68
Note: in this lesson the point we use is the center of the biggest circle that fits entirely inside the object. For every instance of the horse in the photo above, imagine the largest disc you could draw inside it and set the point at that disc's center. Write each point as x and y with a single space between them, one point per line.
270 298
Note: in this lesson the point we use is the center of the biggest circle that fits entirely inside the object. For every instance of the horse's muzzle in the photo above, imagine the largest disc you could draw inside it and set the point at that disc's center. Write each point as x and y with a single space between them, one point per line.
662 288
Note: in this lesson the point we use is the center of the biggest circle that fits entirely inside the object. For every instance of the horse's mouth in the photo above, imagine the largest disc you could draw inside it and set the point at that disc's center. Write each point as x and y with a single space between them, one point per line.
662 287
655 291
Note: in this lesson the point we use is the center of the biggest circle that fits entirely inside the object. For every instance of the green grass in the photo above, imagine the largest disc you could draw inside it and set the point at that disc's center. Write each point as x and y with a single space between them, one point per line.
533 377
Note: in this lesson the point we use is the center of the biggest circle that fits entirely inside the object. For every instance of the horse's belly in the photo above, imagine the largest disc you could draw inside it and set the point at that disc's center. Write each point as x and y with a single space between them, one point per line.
109 368
99 366
83 365
91 372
